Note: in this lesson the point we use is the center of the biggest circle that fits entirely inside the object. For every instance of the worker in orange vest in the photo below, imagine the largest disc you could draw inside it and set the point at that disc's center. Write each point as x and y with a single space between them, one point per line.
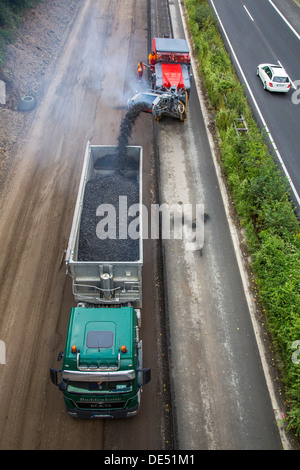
152 60
140 69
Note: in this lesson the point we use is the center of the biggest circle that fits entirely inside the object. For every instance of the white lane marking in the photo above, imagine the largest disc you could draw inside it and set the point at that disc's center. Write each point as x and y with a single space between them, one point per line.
284 19
248 12
297 197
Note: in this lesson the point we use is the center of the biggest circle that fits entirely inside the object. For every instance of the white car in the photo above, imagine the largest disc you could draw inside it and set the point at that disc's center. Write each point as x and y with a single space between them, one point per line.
274 77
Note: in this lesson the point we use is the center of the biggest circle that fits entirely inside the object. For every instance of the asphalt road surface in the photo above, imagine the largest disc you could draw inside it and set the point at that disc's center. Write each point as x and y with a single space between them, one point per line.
91 82
268 32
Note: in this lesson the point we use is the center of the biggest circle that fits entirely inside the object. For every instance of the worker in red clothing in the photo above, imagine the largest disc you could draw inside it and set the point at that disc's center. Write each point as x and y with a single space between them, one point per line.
140 70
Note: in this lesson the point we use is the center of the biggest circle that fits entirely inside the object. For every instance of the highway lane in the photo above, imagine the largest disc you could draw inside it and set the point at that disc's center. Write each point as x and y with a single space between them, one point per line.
255 33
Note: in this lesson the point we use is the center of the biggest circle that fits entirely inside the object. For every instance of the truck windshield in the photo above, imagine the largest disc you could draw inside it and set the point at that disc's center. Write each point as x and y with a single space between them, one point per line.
100 387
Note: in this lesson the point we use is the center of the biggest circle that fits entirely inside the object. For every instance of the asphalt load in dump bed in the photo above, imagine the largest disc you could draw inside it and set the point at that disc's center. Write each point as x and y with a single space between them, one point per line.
106 190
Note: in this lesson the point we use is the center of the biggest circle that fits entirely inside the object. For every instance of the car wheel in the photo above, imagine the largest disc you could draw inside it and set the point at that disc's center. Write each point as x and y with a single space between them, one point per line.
265 86
27 103
257 72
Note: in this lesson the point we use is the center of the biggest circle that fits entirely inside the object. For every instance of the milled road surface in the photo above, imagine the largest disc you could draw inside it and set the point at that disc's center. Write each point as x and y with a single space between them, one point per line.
90 84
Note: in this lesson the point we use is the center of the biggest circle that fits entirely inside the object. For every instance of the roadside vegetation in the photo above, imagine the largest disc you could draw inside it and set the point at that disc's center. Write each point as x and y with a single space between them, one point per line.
261 198
11 13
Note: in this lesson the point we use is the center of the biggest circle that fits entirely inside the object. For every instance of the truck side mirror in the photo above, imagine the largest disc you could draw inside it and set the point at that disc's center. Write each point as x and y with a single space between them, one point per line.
54 376
54 379
60 356
144 376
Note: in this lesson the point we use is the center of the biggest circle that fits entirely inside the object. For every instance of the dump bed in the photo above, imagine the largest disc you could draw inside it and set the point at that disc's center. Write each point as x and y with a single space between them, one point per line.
104 261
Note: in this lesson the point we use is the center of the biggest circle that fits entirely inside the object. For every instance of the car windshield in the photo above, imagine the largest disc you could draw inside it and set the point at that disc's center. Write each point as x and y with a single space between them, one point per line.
281 79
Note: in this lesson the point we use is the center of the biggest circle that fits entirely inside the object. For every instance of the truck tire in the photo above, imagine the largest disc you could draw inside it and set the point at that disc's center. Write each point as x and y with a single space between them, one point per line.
27 103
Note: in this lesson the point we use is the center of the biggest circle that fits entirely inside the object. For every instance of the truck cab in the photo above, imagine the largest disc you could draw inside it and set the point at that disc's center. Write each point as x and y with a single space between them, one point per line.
101 374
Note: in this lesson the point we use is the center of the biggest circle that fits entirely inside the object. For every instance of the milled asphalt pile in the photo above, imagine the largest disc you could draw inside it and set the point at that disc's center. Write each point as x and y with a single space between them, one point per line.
106 190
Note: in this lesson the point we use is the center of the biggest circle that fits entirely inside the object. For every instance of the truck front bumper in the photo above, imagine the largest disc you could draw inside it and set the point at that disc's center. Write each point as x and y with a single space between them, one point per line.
103 414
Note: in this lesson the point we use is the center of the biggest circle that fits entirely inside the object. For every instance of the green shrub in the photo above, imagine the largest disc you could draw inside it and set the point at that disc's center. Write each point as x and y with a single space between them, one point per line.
224 118
202 14
11 12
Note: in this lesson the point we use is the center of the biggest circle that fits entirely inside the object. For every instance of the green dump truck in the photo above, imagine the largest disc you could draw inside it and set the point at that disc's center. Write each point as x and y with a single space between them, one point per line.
102 374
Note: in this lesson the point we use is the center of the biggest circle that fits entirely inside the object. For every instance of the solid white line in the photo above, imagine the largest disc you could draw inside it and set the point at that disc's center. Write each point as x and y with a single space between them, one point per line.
284 19
258 109
248 12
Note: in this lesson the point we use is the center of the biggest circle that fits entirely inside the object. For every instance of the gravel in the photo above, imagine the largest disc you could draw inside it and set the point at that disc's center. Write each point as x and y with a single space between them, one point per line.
107 191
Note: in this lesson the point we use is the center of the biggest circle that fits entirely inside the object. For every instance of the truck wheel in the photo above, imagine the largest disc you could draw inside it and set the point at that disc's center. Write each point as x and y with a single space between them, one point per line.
27 103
